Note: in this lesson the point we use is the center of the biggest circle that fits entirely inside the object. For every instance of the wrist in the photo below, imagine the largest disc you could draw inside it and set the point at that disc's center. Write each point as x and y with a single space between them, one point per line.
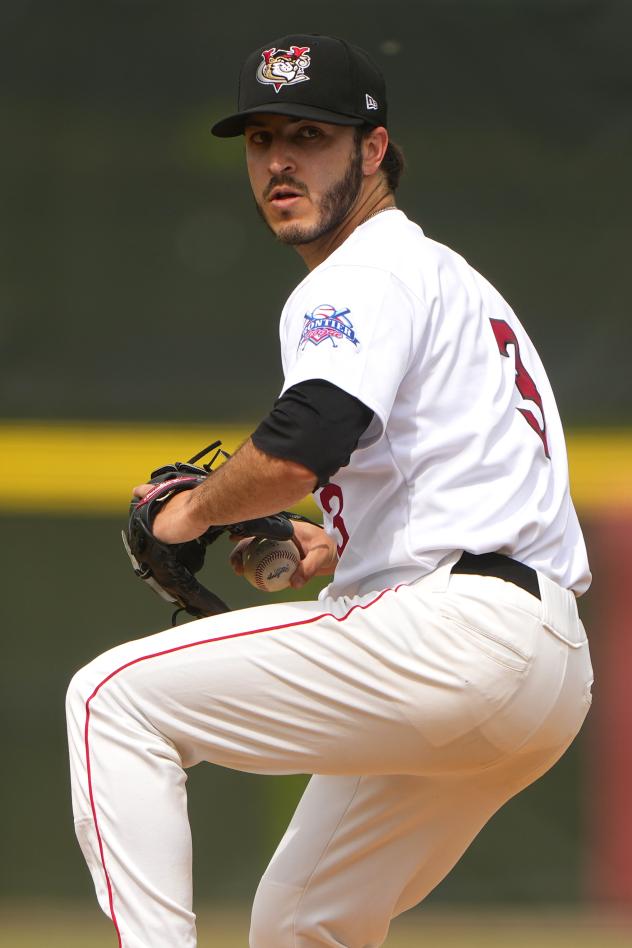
179 520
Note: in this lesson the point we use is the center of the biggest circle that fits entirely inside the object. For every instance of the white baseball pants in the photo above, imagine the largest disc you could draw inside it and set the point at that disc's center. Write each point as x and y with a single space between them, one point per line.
420 711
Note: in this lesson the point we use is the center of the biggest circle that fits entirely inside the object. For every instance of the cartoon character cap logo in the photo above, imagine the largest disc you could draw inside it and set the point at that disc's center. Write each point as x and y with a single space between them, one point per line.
283 67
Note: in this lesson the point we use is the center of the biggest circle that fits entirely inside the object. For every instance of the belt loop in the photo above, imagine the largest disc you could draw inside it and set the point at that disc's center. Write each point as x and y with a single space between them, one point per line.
560 614
440 578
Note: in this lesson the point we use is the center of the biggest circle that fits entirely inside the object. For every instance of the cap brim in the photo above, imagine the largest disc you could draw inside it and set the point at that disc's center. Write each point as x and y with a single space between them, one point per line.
234 125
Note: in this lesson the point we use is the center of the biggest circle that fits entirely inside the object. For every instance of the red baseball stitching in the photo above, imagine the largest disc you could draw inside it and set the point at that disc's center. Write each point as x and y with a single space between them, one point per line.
265 562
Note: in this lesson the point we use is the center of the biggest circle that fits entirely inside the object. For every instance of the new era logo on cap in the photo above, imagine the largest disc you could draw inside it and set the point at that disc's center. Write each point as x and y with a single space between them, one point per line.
370 102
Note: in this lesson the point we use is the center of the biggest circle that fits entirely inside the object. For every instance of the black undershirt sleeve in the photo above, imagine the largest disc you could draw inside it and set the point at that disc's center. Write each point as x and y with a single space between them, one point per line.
315 424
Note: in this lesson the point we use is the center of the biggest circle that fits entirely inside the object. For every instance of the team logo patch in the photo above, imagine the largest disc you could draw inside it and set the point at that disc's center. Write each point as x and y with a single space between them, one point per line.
326 322
283 67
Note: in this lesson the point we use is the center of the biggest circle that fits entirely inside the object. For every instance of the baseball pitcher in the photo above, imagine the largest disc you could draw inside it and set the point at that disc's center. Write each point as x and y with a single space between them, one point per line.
444 668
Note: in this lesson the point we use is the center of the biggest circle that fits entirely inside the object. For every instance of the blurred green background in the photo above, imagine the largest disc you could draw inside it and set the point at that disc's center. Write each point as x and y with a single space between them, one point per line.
130 241
137 284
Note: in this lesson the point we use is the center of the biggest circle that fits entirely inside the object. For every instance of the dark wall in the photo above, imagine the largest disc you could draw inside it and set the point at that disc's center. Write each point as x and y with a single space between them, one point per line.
130 248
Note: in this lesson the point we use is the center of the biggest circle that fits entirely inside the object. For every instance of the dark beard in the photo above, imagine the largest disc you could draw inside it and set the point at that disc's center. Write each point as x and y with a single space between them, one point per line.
334 206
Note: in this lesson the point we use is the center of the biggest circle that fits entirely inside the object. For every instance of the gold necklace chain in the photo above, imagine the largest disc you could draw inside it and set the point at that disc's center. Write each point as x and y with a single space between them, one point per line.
391 207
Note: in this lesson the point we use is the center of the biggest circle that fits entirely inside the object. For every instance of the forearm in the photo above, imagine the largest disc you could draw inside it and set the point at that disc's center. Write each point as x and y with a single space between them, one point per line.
250 484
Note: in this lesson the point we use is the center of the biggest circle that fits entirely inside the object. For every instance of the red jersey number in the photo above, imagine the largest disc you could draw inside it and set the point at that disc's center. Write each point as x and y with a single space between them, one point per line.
329 493
505 336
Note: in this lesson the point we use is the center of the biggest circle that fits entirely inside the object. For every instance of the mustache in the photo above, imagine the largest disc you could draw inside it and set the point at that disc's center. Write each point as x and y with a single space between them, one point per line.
284 180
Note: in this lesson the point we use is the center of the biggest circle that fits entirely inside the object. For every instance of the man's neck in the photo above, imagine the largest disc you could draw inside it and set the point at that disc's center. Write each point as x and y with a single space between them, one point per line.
370 201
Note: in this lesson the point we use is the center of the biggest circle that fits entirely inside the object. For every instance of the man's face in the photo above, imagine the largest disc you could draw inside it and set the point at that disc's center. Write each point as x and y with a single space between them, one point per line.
305 175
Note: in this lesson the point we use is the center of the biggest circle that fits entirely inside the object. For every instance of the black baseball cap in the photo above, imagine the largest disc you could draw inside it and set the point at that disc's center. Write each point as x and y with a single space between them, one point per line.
309 76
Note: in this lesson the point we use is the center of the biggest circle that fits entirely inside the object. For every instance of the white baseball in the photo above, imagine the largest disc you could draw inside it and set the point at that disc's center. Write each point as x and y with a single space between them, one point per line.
270 564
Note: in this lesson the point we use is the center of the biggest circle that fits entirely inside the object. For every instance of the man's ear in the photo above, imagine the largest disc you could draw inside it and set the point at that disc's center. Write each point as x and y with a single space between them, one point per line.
374 145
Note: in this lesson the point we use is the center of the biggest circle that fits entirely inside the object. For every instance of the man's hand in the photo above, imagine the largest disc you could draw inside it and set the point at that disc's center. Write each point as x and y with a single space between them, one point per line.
317 549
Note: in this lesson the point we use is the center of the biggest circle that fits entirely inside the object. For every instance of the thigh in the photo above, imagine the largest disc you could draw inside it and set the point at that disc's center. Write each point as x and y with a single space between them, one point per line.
382 684
292 687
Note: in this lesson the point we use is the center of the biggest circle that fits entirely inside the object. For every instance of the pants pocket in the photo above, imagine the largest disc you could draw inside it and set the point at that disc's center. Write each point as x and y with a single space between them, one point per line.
491 644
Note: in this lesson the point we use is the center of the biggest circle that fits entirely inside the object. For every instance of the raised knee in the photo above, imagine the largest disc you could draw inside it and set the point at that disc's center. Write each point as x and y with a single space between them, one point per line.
78 691
81 688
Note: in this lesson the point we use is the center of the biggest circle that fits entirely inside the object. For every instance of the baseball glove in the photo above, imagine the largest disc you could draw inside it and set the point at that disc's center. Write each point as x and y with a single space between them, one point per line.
170 568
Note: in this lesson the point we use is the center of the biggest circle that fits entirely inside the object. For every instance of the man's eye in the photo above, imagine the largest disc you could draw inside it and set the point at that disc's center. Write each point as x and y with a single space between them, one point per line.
309 131
258 138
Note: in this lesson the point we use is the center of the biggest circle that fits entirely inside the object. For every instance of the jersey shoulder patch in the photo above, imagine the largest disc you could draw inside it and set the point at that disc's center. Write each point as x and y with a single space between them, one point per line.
327 322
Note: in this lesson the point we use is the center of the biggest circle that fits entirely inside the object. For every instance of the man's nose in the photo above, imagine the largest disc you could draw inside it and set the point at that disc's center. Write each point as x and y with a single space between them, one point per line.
281 161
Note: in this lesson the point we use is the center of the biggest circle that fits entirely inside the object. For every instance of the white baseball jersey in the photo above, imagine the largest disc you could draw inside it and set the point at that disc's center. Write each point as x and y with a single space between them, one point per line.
466 449
409 705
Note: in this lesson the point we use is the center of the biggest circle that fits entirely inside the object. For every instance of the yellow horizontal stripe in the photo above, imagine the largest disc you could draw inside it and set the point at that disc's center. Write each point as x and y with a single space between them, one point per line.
91 468
600 465
68 468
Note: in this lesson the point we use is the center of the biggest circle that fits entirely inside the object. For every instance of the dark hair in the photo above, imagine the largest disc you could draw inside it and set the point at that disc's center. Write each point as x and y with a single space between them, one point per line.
393 162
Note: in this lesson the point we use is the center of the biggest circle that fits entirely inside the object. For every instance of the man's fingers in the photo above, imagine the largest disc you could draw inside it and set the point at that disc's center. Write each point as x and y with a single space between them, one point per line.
299 546
299 577
236 558
141 490
307 568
